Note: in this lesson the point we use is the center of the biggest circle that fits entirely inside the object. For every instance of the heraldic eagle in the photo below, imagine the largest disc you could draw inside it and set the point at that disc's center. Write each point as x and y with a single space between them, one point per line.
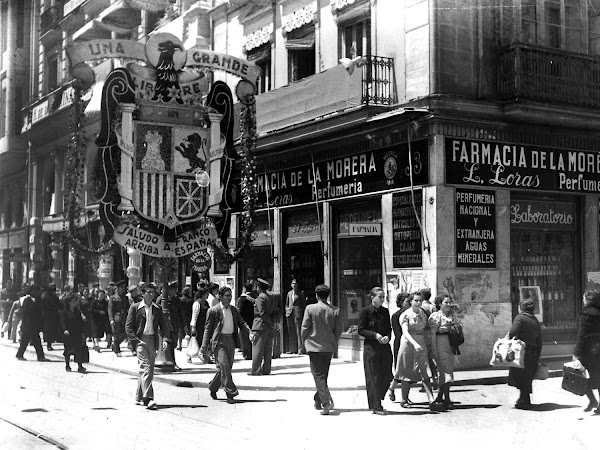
167 86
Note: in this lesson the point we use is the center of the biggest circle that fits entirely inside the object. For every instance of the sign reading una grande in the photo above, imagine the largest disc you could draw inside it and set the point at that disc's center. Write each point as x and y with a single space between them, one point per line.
513 166
475 228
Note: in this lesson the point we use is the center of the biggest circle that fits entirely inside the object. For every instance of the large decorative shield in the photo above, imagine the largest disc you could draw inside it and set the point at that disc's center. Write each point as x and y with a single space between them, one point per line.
166 161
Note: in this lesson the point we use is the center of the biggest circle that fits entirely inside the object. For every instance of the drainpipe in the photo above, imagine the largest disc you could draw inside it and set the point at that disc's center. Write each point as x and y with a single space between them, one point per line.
433 59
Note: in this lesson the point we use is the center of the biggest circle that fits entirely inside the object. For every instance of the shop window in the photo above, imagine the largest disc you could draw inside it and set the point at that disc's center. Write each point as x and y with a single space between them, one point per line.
355 39
300 45
545 261
358 261
51 73
259 263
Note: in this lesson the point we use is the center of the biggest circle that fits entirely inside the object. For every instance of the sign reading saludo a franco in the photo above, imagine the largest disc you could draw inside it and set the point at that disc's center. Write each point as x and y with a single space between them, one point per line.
475 228
505 165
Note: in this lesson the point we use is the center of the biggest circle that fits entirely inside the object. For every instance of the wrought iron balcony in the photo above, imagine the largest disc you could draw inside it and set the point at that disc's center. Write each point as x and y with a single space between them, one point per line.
378 81
548 75
50 18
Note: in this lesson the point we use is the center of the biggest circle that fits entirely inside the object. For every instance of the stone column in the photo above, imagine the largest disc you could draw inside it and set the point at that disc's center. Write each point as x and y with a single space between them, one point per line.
126 144
214 168
71 268
58 202
35 250
134 267
56 274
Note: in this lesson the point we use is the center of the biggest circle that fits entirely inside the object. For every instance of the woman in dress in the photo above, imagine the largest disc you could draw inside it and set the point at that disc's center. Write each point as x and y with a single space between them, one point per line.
587 346
403 300
527 328
439 324
99 310
71 320
412 356
199 310
85 304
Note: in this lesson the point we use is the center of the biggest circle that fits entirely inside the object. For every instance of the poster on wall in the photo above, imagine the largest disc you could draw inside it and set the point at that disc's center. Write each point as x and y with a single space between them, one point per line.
406 232
475 228
534 293
354 306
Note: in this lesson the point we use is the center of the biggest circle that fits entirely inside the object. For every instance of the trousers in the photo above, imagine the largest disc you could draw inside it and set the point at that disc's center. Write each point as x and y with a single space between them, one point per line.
262 352
319 367
294 326
29 337
146 354
224 354
378 373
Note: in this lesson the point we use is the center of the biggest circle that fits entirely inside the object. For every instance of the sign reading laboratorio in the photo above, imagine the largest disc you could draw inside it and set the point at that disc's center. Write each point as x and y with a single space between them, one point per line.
504 165
155 245
538 214
475 228
371 171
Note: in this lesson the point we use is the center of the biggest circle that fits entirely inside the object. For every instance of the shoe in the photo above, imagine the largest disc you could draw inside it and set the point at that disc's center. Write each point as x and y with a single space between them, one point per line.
118 354
43 359
139 403
437 406
318 406
81 370
422 389
230 400
49 347
152 405
108 345
189 360
97 348
327 408
179 348
380 412
213 395
448 404
254 374
68 368
405 404
591 406
21 358
522 404
177 368
597 411
392 395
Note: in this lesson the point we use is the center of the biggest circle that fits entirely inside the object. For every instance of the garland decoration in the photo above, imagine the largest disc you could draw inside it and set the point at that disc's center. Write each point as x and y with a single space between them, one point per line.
249 184
74 179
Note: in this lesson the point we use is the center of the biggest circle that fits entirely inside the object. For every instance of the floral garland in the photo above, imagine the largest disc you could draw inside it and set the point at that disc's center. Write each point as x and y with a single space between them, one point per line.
74 182
248 185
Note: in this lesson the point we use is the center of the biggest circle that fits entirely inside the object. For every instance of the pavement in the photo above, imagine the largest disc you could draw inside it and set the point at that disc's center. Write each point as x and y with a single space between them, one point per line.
289 372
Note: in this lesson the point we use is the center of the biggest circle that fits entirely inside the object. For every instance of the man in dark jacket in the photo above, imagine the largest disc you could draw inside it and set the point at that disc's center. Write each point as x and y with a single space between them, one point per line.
33 322
220 336
245 305
117 309
171 307
263 327
51 310
144 319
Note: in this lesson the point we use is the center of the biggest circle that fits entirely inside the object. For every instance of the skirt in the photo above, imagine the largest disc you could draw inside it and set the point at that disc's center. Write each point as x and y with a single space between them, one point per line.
411 365
445 360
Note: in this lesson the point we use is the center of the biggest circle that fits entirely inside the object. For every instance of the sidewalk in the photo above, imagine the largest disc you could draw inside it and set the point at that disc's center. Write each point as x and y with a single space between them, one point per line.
289 372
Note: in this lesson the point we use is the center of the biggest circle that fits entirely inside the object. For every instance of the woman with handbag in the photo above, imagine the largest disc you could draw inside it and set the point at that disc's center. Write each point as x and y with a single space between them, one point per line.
199 311
440 323
527 328
587 346
72 323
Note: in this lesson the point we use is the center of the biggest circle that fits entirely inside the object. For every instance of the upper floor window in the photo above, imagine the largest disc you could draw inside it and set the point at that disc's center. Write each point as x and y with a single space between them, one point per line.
52 81
300 44
261 56
355 39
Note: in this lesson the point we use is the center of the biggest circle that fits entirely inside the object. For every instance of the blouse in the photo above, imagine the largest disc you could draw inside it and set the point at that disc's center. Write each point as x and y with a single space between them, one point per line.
440 322
416 321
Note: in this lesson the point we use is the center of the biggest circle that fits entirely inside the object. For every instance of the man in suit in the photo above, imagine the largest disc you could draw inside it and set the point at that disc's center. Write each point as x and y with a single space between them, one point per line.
33 322
223 322
142 326
262 326
118 304
321 330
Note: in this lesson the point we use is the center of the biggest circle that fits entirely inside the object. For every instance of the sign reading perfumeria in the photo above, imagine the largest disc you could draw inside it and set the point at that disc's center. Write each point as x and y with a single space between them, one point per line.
475 228
504 165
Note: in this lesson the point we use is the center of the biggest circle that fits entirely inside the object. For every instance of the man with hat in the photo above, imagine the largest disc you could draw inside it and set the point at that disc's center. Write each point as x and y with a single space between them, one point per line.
170 304
118 304
133 294
320 332
262 327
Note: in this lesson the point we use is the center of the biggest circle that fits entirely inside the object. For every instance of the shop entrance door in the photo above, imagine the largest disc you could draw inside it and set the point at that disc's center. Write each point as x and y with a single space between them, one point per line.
304 262
545 266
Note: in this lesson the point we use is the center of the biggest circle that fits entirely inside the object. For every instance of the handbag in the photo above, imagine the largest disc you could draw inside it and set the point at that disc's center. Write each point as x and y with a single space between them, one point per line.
508 353
456 337
193 348
84 355
575 378
542 372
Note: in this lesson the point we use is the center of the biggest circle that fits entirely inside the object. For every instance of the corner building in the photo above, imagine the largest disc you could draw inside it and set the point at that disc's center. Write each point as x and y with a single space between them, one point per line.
459 153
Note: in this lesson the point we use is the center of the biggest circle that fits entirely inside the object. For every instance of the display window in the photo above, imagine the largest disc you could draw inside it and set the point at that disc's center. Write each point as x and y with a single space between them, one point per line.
545 260
258 263
358 260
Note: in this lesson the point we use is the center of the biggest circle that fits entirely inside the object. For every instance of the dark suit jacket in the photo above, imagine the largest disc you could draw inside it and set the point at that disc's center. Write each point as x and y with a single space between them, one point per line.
373 321
136 322
214 325
321 328
264 313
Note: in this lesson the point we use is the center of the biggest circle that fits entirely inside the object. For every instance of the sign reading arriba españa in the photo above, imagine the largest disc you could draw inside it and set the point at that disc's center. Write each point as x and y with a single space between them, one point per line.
155 245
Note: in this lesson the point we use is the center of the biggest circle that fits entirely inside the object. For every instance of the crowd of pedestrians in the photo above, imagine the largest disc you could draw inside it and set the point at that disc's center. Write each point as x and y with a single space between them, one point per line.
145 318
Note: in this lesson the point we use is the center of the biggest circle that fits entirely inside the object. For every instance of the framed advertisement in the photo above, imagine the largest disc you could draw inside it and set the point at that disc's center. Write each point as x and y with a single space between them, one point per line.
535 294
220 265
354 307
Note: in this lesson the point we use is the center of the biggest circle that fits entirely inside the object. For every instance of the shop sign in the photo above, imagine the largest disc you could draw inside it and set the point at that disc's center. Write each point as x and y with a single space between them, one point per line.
202 261
548 215
364 229
262 231
406 232
153 244
504 165
348 218
18 257
475 228
368 172
39 111
304 226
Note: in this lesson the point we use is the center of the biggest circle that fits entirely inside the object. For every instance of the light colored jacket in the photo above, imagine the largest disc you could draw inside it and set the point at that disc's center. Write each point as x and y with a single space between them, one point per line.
321 327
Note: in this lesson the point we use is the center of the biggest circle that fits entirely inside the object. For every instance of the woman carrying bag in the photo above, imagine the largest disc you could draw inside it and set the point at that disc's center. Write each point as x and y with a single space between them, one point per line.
527 328
72 323
587 346
440 323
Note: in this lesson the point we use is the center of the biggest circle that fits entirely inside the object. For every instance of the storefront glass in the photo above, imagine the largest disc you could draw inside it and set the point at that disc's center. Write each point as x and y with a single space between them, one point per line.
358 260
545 260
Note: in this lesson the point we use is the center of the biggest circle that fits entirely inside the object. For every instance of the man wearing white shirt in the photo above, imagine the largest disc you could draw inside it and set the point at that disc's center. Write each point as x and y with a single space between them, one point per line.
220 338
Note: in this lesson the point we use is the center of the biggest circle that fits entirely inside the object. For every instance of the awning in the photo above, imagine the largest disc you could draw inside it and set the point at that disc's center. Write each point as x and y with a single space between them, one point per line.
300 44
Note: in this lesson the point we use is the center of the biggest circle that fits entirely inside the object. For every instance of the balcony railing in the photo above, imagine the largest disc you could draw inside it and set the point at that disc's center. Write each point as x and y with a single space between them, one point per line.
378 81
548 75
50 18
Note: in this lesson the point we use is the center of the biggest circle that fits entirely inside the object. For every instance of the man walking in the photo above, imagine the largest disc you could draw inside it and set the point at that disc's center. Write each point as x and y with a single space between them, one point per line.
220 337
142 326
263 325
33 322
321 330
118 304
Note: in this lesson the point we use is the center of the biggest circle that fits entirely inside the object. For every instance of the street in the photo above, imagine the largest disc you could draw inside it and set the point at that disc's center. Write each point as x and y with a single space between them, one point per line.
96 410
